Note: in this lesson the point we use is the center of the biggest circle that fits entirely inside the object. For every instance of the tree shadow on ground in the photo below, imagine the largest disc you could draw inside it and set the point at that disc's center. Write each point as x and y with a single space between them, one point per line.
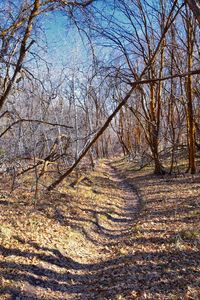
159 273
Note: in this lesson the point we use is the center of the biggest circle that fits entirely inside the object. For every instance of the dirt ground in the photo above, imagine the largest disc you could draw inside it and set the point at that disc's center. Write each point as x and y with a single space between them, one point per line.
121 233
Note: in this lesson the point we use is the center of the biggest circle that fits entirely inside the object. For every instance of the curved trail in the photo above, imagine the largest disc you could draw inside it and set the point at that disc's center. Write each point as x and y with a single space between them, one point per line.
97 242
95 262
118 223
101 269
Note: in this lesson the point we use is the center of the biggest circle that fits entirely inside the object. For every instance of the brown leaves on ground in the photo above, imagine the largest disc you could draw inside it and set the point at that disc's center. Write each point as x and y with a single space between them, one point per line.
121 234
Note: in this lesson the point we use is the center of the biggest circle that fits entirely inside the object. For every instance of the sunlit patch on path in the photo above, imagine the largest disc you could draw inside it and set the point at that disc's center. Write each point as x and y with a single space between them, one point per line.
98 241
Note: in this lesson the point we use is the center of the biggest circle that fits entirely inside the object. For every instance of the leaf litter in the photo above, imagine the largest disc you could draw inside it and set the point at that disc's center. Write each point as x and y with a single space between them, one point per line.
119 235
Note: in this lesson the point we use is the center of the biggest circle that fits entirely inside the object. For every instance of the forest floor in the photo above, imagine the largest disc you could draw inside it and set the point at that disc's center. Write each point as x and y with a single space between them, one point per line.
121 233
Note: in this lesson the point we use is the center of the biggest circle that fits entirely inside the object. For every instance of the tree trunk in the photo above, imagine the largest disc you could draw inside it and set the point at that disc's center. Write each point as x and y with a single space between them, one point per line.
194 5
190 113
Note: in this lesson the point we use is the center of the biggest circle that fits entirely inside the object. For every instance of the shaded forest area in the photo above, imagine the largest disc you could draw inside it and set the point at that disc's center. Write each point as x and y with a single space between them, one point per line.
99 149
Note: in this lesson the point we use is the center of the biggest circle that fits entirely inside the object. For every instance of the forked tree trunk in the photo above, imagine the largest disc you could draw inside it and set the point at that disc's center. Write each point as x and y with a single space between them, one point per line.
155 114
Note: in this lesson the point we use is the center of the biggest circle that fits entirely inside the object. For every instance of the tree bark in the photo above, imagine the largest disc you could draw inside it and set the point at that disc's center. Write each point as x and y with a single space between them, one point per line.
190 113
194 5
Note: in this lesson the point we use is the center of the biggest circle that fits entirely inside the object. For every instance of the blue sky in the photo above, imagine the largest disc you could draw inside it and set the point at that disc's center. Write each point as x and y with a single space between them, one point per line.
61 38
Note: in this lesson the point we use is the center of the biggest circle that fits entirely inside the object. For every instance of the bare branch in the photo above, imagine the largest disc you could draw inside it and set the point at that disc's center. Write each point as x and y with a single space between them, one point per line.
34 121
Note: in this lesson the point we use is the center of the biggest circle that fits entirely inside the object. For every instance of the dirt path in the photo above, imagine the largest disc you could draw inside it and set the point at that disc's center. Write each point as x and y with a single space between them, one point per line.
94 242
71 247
115 220
101 266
